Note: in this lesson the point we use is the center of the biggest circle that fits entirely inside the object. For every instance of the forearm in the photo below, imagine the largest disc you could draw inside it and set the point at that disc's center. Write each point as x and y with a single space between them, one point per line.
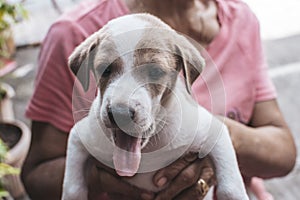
45 180
266 151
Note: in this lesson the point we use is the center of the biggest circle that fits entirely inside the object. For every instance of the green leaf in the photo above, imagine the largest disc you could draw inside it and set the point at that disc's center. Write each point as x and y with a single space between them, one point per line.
6 169
3 150
3 193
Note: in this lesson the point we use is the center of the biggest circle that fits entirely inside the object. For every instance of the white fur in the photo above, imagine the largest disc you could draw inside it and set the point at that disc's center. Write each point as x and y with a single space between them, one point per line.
125 38
125 25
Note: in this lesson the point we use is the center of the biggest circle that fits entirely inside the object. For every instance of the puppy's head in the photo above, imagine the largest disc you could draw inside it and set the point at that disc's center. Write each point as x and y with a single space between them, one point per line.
135 60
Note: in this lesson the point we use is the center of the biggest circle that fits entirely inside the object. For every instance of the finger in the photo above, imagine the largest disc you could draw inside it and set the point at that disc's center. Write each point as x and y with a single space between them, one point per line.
165 175
196 191
209 176
188 177
100 181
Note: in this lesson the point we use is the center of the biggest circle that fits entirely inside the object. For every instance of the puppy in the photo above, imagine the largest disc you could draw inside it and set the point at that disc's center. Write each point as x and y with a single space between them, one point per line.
144 117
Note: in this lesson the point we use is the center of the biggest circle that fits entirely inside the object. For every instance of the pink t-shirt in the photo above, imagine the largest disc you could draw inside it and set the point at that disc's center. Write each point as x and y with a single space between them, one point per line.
230 85
237 77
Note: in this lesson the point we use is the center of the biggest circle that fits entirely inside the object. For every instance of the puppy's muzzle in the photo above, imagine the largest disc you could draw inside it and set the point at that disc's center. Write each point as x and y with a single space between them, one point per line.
121 116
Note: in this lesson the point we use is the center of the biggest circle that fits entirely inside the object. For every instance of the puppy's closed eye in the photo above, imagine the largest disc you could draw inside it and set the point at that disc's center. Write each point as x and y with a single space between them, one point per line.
155 72
104 70
108 70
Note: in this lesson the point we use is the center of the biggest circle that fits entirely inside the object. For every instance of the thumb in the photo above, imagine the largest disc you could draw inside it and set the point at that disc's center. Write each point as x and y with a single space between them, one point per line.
165 175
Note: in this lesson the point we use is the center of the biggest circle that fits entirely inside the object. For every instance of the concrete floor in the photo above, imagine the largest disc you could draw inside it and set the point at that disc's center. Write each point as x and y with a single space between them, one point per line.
282 56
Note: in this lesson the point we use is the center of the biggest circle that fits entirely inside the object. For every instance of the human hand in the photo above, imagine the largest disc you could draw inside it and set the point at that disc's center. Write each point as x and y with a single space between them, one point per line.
183 177
104 183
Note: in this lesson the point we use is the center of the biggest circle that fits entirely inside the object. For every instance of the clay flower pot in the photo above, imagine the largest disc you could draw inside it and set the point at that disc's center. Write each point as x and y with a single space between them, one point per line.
16 135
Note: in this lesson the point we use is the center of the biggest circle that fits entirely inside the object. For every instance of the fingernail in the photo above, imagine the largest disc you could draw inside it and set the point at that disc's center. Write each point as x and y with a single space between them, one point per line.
162 181
147 196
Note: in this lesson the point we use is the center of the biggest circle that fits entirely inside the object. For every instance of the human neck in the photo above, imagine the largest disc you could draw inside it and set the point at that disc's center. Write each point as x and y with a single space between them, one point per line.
195 18
160 7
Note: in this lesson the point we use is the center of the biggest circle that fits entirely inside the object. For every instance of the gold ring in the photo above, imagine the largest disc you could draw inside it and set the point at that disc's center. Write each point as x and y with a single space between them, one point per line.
203 186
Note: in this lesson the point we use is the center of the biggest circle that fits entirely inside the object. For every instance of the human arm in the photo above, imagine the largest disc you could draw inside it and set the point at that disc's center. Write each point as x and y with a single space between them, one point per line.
43 169
265 148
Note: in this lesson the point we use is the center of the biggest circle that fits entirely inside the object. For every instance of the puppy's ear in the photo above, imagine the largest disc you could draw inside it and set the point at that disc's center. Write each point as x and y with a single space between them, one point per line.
189 60
81 60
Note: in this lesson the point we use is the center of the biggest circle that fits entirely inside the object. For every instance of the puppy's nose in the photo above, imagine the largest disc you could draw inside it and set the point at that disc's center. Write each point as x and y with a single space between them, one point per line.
120 115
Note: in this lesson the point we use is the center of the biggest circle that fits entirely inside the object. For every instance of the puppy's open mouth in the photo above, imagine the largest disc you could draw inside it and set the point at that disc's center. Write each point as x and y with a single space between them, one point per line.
127 153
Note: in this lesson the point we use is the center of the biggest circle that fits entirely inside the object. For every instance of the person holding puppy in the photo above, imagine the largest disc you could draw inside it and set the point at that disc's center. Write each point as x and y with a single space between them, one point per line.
229 31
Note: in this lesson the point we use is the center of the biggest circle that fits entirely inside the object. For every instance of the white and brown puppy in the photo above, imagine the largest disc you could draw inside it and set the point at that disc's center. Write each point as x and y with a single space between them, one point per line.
143 117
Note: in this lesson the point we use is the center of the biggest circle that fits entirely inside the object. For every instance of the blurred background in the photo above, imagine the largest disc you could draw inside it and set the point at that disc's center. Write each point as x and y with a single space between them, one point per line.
280 31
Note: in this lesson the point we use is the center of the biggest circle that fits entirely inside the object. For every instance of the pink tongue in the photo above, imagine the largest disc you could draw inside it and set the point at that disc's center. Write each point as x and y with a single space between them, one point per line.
127 154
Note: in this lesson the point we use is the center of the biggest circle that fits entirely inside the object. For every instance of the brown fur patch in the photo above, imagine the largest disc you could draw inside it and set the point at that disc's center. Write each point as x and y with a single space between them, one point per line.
156 68
106 59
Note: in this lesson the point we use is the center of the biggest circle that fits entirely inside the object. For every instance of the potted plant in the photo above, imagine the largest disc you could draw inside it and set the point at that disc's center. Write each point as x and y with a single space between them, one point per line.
5 169
10 13
16 137
15 134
